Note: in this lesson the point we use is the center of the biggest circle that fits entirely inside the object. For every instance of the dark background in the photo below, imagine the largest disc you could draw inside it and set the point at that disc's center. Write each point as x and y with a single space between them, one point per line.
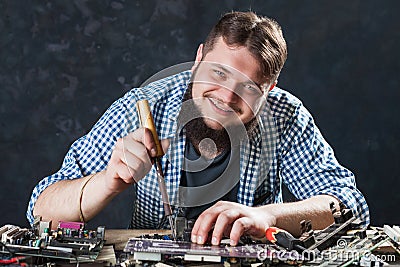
62 63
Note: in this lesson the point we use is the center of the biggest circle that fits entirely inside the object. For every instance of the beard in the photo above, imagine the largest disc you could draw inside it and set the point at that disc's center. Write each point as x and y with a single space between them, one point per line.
197 129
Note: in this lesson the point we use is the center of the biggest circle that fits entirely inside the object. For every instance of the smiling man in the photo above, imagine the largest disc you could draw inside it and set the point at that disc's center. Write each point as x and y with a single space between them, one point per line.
232 141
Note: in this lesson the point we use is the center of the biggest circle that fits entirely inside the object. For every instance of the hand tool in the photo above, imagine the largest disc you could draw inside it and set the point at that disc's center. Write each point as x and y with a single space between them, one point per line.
283 239
147 121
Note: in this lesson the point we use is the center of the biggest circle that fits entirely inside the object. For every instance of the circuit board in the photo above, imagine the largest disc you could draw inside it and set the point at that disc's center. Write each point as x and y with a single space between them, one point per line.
71 241
195 252
343 243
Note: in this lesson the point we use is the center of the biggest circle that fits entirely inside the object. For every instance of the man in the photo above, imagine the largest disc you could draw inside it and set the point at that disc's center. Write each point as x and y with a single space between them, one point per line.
230 87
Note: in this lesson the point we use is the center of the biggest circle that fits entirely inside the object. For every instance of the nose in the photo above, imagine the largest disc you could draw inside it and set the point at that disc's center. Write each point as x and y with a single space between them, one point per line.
228 94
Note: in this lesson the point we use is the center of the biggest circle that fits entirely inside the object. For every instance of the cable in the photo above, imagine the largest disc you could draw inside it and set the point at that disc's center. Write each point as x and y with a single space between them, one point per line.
6 247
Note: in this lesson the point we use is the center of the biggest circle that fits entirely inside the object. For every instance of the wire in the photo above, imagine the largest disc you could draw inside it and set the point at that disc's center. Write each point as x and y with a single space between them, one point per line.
6 247
13 260
26 251
126 160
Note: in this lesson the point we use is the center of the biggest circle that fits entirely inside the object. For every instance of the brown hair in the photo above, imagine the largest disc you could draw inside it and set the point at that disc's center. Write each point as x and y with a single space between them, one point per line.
262 36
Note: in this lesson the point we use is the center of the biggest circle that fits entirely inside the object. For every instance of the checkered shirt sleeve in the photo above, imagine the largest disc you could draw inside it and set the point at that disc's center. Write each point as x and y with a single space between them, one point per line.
88 154
92 152
308 165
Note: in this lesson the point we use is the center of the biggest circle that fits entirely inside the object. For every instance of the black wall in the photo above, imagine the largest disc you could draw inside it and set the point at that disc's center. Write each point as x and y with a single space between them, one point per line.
62 63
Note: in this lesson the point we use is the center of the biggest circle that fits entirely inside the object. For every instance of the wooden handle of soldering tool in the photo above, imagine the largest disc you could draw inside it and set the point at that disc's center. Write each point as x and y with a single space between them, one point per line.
147 121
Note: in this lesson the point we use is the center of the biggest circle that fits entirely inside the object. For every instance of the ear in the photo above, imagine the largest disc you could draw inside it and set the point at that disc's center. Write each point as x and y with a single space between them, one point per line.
199 56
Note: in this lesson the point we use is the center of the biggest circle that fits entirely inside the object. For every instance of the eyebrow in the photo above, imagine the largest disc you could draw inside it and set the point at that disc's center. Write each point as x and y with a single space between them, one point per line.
222 67
249 81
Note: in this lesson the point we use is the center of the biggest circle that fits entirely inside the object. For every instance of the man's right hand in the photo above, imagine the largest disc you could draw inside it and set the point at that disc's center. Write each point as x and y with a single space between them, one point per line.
131 160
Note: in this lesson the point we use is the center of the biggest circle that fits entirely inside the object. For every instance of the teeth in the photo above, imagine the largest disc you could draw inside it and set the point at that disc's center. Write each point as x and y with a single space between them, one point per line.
219 104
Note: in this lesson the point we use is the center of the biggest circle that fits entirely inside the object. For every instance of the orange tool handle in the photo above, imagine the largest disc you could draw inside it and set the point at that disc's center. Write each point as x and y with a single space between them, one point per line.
147 121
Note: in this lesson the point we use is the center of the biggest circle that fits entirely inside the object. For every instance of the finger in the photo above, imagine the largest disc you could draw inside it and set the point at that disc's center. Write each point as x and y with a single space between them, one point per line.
240 226
136 166
125 173
118 170
205 222
224 219
165 144
149 141
134 147
116 167
202 227
144 136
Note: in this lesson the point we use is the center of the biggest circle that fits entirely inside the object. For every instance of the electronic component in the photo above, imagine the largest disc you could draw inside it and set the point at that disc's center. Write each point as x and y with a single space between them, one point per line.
392 232
183 226
343 243
139 247
71 241
284 239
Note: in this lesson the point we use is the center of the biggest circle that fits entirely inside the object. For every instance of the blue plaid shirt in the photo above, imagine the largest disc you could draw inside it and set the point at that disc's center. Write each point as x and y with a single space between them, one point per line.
287 147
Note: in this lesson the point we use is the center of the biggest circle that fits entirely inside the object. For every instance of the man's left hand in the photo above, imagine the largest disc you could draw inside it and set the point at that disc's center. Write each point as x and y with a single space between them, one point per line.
233 220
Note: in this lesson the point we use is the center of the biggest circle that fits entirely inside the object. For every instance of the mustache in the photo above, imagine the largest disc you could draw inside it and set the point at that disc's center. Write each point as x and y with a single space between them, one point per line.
230 105
198 130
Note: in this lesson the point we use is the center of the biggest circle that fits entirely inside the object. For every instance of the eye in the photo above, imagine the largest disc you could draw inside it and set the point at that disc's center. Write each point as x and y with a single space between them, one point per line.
219 74
251 89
